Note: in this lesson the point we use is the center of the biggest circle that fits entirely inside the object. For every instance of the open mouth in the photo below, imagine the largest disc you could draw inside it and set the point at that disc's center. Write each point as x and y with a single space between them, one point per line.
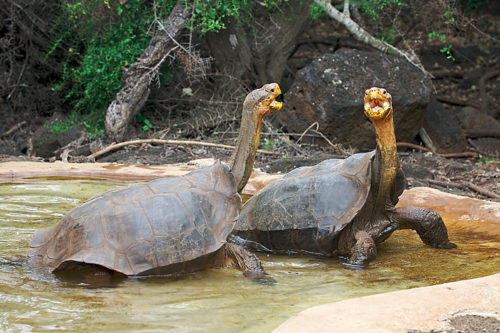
277 104
377 107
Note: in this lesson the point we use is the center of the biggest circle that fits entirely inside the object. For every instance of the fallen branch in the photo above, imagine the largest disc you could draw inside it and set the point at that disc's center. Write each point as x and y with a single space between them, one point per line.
14 128
449 155
317 132
363 36
466 185
169 142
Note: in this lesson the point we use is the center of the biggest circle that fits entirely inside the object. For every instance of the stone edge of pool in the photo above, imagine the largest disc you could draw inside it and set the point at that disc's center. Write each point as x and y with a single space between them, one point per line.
27 170
420 309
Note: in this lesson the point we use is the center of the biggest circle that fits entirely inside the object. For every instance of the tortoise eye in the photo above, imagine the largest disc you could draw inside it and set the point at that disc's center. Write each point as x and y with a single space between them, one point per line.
384 92
272 90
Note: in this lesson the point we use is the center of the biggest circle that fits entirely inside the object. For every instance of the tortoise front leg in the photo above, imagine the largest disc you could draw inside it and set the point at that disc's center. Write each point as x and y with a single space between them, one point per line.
426 222
363 251
232 255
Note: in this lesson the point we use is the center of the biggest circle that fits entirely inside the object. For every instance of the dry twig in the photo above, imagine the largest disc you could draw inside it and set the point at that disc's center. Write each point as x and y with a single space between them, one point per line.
169 142
463 184
450 155
14 128
317 132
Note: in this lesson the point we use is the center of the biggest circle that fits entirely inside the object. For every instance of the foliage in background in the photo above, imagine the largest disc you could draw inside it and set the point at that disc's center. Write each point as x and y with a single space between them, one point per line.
373 8
315 11
210 15
396 20
99 38
446 49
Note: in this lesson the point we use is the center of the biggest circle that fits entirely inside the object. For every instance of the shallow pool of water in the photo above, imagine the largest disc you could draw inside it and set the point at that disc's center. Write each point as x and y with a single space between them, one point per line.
216 300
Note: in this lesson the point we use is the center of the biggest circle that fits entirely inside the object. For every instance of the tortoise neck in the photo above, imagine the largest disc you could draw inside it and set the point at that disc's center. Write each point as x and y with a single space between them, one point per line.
243 157
387 159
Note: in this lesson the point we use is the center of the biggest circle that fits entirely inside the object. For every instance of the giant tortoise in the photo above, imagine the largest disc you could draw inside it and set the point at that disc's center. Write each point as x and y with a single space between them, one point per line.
169 225
341 206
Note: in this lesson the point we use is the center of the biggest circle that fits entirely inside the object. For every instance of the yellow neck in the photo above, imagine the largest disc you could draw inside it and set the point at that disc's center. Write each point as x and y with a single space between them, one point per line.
243 157
386 146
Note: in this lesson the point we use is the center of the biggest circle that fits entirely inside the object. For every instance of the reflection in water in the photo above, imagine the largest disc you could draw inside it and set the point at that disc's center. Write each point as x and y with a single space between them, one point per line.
219 300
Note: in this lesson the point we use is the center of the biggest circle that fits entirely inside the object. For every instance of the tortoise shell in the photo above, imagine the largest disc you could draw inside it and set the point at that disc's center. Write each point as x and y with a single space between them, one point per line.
305 210
169 225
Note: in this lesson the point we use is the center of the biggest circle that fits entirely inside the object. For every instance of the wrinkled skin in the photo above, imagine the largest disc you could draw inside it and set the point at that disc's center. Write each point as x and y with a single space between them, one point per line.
340 207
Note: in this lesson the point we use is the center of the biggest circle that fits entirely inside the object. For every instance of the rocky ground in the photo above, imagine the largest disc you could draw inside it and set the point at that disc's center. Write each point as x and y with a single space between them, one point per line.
421 169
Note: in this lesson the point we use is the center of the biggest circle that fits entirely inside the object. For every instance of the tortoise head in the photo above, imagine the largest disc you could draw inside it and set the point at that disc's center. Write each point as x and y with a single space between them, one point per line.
265 100
378 103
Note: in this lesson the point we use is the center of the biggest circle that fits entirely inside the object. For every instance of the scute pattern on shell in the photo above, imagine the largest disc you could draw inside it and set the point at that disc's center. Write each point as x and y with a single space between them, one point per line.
323 198
143 228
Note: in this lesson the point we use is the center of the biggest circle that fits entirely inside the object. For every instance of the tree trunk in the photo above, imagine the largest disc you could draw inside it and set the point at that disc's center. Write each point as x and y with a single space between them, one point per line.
136 78
257 51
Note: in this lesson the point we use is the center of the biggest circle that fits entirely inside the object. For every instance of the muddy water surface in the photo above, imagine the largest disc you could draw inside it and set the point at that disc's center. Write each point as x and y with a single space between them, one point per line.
219 300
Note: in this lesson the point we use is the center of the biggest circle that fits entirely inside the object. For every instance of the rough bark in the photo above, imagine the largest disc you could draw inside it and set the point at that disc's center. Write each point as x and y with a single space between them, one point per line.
136 78
257 51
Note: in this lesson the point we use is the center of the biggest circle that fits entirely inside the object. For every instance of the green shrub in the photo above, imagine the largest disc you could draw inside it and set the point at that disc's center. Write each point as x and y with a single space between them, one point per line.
99 38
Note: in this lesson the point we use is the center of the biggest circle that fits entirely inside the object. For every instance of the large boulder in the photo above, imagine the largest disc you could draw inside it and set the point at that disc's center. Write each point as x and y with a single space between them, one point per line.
443 129
330 91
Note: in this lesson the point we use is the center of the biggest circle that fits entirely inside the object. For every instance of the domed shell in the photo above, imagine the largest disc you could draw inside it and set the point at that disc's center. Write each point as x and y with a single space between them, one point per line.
306 209
168 225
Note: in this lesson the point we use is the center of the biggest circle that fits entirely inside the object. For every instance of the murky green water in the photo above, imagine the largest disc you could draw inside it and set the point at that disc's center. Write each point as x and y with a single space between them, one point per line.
217 300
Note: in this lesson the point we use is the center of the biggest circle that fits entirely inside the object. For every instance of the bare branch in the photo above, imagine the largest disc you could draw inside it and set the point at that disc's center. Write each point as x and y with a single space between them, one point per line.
169 142
14 128
449 155
465 185
345 11
363 36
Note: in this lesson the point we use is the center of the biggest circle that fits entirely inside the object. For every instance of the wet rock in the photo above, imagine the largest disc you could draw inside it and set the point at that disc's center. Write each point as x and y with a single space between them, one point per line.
330 91
443 128
45 140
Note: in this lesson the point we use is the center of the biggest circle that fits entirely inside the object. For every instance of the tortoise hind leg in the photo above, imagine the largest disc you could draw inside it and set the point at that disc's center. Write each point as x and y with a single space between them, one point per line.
232 255
363 251
427 223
